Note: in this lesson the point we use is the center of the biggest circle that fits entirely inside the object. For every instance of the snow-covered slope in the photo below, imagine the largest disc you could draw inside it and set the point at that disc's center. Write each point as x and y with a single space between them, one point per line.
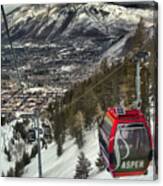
64 166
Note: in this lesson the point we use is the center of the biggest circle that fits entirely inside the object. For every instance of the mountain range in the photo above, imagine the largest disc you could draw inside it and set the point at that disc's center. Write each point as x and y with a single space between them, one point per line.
47 22
47 37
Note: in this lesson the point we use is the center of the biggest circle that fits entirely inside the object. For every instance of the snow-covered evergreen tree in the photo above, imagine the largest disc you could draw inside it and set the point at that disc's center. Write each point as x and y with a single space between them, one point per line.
83 167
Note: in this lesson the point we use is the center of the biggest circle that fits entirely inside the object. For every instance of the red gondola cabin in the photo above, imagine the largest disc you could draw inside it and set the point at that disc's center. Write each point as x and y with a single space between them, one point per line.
125 142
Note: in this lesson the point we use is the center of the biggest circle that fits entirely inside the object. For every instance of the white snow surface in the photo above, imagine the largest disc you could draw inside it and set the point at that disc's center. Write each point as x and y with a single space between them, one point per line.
64 166
53 15
67 68
6 135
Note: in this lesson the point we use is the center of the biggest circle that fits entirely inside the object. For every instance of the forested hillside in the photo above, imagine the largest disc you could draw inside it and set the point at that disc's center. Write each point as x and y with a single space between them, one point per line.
112 84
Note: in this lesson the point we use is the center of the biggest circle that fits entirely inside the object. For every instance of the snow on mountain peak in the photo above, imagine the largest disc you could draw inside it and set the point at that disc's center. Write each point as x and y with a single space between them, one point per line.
49 21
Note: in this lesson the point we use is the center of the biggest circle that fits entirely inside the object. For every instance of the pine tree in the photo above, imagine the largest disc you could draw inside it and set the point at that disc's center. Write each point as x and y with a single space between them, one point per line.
90 103
3 120
2 175
83 167
26 158
10 173
100 164
19 168
104 66
70 120
78 128
55 116
136 43
59 126
34 151
7 152
59 146
20 128
98 113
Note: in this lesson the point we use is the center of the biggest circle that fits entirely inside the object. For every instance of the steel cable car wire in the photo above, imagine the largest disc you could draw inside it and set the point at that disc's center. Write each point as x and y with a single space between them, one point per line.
11 46
20 87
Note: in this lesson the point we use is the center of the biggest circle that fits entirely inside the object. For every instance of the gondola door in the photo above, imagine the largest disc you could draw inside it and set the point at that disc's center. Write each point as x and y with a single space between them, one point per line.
132 149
